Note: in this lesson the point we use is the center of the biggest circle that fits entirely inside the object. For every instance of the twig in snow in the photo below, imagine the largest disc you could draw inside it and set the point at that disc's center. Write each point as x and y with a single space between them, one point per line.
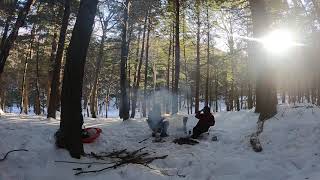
144 140
134 157
110 167
136 151
107 155
11 152
276 118
90 163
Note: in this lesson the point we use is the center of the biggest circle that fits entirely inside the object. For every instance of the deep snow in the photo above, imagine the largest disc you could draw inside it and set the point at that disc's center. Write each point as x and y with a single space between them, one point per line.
290 141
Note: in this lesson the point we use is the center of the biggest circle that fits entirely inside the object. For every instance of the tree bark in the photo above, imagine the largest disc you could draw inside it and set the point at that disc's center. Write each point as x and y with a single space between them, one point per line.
177 59
185 62
93 98
9 42
138 71
144 103
37 105
51 63
198 57
266 99
216 91
24 91
24 86
124 101
168 71
129 66
53 53
208 59
69 135
55 83
137 59
172 62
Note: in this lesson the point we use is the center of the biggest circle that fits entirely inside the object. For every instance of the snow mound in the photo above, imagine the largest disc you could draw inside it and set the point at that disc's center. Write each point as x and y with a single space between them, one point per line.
1 112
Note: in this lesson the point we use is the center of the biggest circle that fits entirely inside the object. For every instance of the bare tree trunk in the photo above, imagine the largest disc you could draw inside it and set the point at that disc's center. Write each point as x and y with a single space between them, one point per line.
93 99
137 59
191 98
283 98
138 71
108 90
227 96
24 87
144 103
208 59
249 73
4 37
24 91
175 104
124 101
69 135
172 61
198 57
53 53
185 62
266 99
55 83
154 68
211 93
129 67
168 71
9 42
85 101
241 97
216 86
37 107
107 102
51 63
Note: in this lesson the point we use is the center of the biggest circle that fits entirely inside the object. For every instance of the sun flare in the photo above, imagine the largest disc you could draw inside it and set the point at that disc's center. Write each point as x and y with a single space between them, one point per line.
278 41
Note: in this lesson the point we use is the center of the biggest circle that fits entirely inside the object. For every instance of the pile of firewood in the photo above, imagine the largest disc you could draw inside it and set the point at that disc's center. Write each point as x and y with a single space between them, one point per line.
116 159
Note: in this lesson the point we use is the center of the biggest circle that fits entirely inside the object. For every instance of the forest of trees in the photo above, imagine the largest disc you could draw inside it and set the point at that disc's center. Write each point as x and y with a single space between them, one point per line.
83 57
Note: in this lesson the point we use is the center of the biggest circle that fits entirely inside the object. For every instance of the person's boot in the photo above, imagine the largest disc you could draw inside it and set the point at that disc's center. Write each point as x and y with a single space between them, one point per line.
158 137
194 136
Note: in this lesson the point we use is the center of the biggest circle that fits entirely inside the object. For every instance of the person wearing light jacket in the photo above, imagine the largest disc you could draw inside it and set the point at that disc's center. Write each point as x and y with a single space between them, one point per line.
156 122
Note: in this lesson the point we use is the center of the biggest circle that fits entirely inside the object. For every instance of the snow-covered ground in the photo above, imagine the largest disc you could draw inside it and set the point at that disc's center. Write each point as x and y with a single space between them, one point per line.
291 143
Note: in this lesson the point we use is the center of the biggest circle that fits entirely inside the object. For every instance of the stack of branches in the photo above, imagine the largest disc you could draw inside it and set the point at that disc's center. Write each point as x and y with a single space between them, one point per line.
119 158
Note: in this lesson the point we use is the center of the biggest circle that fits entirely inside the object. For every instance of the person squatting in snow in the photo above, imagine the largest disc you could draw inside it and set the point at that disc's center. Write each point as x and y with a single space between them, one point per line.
206 120
156 122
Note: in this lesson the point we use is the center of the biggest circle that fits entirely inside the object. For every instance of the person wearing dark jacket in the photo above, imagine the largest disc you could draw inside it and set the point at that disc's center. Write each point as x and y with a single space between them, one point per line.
206 120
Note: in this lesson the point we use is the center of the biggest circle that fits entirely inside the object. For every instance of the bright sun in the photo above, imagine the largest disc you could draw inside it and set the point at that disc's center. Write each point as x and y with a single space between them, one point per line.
278 41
